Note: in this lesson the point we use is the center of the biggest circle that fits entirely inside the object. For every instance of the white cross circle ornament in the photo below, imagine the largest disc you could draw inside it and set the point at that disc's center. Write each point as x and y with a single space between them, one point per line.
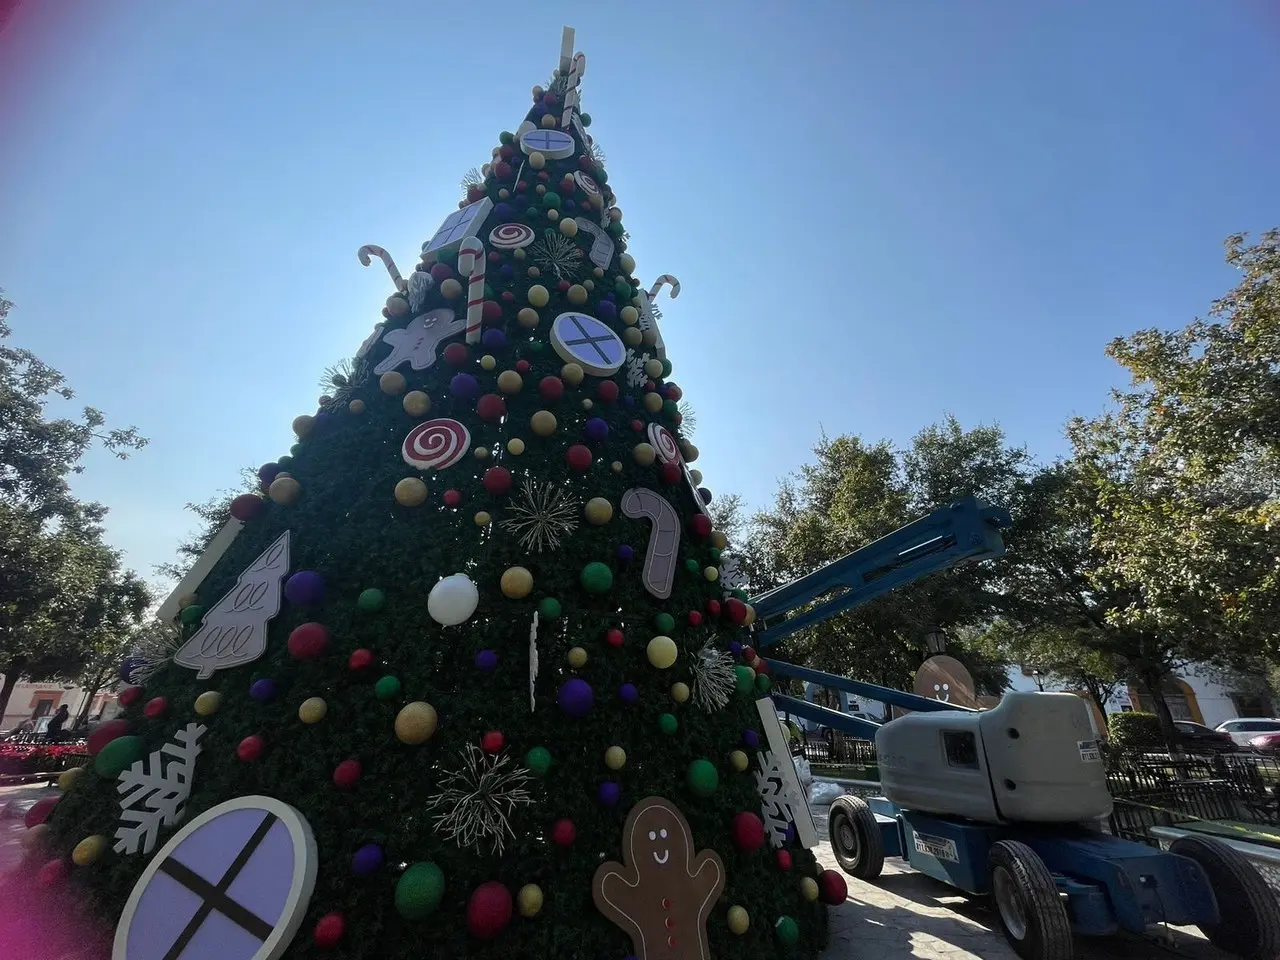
588 342
552 144
456 228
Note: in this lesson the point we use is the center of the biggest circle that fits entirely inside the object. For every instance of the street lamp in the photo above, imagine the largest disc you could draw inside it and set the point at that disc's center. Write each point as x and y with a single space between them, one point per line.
1038 677
935 641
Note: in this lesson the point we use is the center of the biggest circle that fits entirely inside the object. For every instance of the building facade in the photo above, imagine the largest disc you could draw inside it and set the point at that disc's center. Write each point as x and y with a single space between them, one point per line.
39 701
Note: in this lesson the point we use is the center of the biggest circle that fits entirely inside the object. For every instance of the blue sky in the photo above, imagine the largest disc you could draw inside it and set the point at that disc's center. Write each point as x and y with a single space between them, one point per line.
879 212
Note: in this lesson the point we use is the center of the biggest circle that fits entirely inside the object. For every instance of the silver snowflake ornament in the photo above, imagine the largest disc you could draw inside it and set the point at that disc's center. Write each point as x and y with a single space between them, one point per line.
155 791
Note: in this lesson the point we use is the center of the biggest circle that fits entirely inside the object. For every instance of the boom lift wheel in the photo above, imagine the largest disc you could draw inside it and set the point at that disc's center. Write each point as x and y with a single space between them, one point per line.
1031 913
1248 915
855 837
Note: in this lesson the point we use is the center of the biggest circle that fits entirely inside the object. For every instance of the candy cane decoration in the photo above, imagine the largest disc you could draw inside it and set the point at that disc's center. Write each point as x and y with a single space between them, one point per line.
659 573
381 254
471 262
657 285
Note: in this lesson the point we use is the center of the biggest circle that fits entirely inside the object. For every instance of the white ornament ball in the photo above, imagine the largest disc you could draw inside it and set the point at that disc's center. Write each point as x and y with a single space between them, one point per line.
453 600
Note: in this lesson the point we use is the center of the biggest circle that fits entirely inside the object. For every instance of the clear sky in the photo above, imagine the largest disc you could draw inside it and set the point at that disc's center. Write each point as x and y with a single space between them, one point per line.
879 212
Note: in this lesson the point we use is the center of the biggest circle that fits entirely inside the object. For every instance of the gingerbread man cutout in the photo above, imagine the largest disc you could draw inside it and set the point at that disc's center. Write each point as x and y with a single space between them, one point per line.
664 891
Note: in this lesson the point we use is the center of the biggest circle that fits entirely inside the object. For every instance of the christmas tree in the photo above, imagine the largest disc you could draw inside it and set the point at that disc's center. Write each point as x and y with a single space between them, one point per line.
465 679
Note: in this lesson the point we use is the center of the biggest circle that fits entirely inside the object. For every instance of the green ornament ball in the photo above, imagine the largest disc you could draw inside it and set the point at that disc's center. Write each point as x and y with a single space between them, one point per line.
666 367
668 724
744 679
191 614
387 688
549 608
600 175
117 756
664 623
551 200
371 600
622 288
296 449
763 683
585 118
615 227
284 462
488 292
787 930
532 213
506 136
741 595
670 409
702 777
692 565
534 346
714 553
538 760
419 891
596 577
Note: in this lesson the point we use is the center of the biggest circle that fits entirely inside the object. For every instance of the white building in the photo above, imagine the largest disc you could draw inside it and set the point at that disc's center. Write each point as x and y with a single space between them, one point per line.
38 701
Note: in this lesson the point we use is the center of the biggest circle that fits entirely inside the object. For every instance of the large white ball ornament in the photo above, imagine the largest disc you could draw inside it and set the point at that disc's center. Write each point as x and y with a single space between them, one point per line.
453 600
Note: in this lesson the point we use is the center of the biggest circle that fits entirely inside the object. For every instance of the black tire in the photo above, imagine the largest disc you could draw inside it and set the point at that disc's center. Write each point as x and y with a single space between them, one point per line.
855 837
1248 915
1031 914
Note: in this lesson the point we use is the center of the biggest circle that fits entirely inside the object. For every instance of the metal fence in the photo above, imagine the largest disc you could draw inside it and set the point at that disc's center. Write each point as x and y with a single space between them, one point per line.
838 748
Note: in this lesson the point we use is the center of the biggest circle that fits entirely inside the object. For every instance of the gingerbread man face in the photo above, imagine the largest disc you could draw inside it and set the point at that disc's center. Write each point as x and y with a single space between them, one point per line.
662 838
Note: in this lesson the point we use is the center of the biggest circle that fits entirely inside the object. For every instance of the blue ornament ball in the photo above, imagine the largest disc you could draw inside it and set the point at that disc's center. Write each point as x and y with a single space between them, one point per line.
367 860
507 271
608 793
306 587
705 494
751 738
486 660
263 690
735 648
267 472
626 553
628 401
606 310
575 697
628 693
505 211
494 339
323 420
129 665
596 430
464 386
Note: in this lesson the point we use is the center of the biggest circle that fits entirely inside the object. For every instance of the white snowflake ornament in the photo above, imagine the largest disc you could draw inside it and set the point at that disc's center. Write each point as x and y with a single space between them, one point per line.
155 791
636 377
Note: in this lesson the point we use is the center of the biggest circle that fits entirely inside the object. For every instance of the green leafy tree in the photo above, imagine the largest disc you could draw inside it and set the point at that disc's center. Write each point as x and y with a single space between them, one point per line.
475 778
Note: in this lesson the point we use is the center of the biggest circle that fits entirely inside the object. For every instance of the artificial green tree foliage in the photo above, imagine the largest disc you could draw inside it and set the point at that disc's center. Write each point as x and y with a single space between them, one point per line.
347 526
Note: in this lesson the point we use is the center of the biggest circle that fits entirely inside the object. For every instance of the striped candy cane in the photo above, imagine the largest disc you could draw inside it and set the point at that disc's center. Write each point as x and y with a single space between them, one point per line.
657 285
381 254
471 263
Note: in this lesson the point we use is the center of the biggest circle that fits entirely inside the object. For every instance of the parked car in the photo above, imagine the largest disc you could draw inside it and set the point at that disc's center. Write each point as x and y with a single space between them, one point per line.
1196 736
1266 742
1243 729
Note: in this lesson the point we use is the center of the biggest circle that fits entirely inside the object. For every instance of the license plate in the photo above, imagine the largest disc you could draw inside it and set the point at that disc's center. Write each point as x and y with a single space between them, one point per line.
1089 751
937 847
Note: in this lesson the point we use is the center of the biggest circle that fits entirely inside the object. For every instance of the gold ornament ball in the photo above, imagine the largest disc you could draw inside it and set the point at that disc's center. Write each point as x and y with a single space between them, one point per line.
597 272
662 652
577 658
577 293
510 382
738 920
481 453
416 722
537 160
284 491
632 336
207 703
528 318
598 511
529 899
615 758
688 451
615 213
410 492
538 295
34 837
488 362
549 120
569 227
652 402
543 423
648 337
751 615
416 403
356 406
711 573
516 582
537 91
679 691
534 272
397 306
717 538
67 779
515 446
571 374
653 369
616 466
312 710
696 475
450 289
302 425
630 315
738 760
643 454
482 518
809 888
518 254
392 382
503 193
589 283
628 264
89 850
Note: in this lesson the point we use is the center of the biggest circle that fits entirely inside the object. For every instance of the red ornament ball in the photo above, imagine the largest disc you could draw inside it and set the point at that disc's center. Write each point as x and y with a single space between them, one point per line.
563 833
488 910
607 390
441 272
551 388
329 930
650 386
361 659
506 151
783 859
53 872
522 366
156 708
832 890
736 611
129 696
452 498
308 641
251 748
521 186
579 458
670 473
543 175
614 637
508 296
756 664
494 256
748 832
474 193
713 608
748 654
586 163
347 774
502 169
563 285
497 480
491 311
637 426
695 618
39 811
455 354
247 506
674 392
549 100
493 741
491 408
106 733
700 525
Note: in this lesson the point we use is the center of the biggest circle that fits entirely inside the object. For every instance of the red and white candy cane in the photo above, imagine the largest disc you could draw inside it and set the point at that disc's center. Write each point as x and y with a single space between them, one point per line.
471 262
381 254
657 285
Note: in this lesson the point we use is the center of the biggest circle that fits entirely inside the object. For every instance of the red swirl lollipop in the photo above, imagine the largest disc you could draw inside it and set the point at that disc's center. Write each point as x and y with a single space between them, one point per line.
436 444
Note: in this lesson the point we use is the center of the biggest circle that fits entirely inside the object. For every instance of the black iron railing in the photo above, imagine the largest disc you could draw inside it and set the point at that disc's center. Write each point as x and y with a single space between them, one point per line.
838 749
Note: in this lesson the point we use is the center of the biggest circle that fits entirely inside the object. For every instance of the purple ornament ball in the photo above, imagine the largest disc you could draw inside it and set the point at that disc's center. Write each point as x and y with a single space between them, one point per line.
596 430
494 339
751 738
464 386
605 310
628 693
306 587
575 697
129 665
608 296
705 494
570 205
628 401
735 648
608 793
263 690
267 472
506 271
626 553
486 660
368 859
